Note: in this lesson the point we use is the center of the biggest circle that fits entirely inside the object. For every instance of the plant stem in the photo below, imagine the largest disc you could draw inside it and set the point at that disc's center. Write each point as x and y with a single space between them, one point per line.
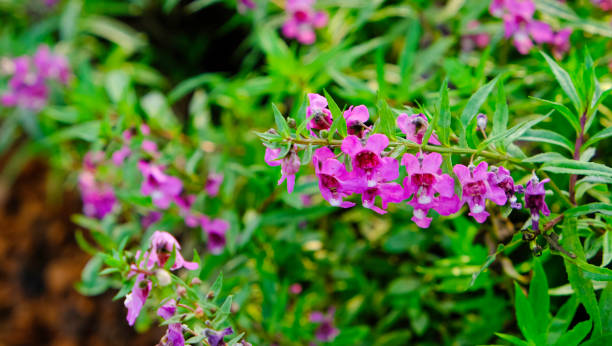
577 147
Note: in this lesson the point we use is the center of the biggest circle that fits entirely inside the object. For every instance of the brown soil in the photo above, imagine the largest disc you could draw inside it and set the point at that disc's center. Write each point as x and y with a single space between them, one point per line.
39 264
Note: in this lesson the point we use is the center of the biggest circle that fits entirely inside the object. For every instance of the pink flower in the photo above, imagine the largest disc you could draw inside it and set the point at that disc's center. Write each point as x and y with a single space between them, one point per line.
51 66
535 200
476 189
478 39
326 331
162 245
332 176
317 109
150 218
98 198
302 19
215 230
366 159
213 182
431 189
215 338
605 5
135 300
174 334
414 127
499 176
162 188
184 203
561 42
149 147
120 155
355 120
290 165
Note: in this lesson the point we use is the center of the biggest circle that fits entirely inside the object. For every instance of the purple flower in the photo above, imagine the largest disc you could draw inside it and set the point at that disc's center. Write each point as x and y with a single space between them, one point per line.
499 176
332 176
184 203
431 188
162 245
120 155
151 218
213 182
497 8
174 334
355 120
149 147
481 121
561 42
162 188
320 116
215 338
366 159
535 201
290 165
135 300
302 19
98 198
244 5
476 189
51 66
27 89
414 127
215 231
478 39
326 331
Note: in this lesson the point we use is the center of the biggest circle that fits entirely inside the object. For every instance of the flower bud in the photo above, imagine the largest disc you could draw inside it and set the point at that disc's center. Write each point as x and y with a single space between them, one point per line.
198 312
291 123
181 291
481 121
323 133
195 281
163 277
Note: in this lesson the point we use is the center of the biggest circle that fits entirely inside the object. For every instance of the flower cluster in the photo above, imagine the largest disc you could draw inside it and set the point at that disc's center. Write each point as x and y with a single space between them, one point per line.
165 190
302 19
29 84
524 30
374 171
605 5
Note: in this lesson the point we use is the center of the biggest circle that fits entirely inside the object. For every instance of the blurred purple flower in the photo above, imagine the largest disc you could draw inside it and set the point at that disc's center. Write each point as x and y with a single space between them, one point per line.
290 165
174 334
151 218
213 183
162 188
414 127
184 203
302 19
162 245
215 230
135 300
326 331
215 338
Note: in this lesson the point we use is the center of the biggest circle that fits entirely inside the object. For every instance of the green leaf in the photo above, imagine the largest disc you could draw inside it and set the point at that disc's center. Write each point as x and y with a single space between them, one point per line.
577 167
472 107
444 121
524 315
406 58
547 136
223 312
605 308
281 123
538 296
217 285
565 112
603 134
513 133
607 249
196 339
339 123
235 339
512 339
500 117
559 324
581 285
566 82
544 157
574 336
170 262
599 100
590 271
490 259
603 208
386 123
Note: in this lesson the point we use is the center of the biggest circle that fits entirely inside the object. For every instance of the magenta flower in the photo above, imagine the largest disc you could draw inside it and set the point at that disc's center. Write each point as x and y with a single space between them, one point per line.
499 176
27 89
184 203
332 176
162 245
290 165
431 189
174 334
414 127
149 147
151 218
366 159
162 188
355 120
98 198
135 300
215 338
215 230
476 189
320 116
302 19
50 66
475 39
535 200
120 155
213 183
326 331
561 42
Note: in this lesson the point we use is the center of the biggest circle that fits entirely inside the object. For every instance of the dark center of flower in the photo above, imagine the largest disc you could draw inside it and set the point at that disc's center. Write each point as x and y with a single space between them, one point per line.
475 188
301 15
216 238
425 179
367 160
331 183
534 201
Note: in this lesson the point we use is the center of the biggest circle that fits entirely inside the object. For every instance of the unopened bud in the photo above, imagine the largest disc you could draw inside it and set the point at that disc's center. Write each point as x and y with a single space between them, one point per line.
234 308
210 295
537 250
481 121
291 122
163 277
195 281
198 312
323 133
181 291
528 236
